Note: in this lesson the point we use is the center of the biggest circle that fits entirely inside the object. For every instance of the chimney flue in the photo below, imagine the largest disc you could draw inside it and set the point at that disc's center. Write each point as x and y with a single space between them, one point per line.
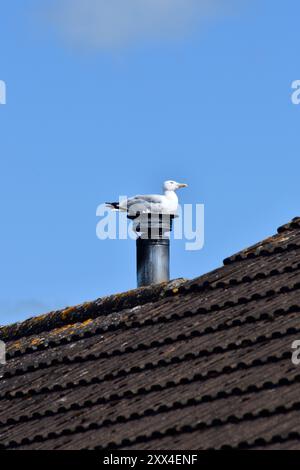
152 247
152 261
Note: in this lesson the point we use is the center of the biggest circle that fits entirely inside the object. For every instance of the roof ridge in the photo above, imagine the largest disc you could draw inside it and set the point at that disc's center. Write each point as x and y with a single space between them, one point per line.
79 313
125 325
263 247
293 224
133 298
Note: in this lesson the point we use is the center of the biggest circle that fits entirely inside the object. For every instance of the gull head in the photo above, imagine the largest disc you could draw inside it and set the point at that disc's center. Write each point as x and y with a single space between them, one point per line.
173 185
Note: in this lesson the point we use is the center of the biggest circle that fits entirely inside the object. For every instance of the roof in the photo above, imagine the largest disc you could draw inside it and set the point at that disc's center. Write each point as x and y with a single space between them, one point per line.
201 364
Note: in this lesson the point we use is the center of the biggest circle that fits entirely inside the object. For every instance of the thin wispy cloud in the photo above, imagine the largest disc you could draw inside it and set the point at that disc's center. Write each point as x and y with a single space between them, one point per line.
110 24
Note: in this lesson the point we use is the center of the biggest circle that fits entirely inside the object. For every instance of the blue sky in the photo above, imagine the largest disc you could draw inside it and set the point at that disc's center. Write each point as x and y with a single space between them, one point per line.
201 97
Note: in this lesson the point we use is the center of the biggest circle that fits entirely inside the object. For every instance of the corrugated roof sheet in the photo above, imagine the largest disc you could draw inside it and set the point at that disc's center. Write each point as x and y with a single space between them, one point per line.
195 364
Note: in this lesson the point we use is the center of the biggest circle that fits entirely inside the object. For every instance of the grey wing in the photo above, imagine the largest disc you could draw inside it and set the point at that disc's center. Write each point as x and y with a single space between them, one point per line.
145 203
149 198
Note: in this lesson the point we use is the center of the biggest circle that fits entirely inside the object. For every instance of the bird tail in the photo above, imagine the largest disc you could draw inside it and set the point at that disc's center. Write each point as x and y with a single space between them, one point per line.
113 205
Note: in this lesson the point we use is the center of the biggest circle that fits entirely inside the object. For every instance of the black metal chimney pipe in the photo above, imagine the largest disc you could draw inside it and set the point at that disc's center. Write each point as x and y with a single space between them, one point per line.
152 261
152 248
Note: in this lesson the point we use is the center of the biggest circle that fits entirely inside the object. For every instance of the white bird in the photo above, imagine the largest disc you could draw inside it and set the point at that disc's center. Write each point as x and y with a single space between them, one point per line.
166 203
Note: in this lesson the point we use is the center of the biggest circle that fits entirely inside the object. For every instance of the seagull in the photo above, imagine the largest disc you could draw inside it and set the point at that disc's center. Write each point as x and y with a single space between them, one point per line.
166 203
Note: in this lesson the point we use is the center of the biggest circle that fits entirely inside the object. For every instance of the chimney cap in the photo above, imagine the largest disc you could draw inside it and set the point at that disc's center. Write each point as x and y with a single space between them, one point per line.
152 225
